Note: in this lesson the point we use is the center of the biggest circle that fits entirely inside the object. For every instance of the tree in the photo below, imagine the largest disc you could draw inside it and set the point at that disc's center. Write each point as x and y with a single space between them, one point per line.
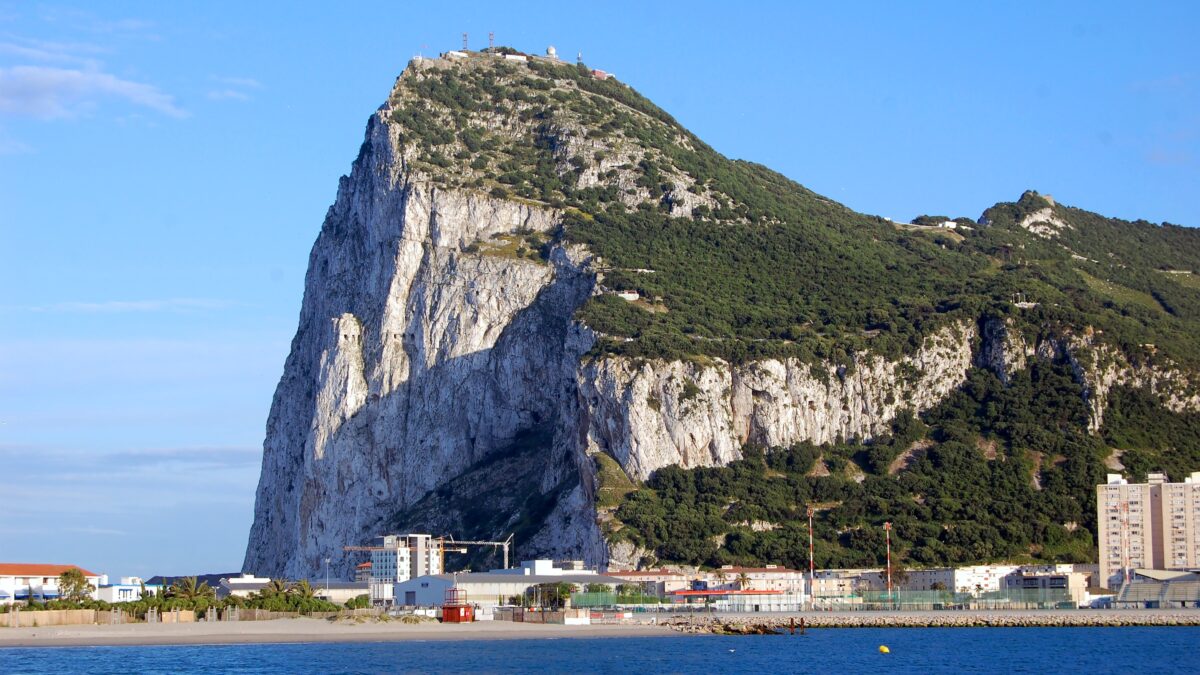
274 588
187 588
302 589
73 586
743 581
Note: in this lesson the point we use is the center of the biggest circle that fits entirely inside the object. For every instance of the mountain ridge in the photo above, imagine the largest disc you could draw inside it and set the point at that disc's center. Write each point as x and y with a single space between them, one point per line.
522 246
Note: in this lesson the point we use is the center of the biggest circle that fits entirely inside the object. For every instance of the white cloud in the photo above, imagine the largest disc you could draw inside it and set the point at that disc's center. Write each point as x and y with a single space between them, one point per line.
242 82
233 89
9 146
47 92
122 306
228 95
76 53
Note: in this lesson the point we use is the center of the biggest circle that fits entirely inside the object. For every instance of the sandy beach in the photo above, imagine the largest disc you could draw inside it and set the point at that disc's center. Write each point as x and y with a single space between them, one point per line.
305 630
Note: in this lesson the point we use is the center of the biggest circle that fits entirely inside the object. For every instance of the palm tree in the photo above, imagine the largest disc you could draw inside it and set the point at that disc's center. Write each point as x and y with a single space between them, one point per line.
720 575
302 589
274 587
743 581
188 589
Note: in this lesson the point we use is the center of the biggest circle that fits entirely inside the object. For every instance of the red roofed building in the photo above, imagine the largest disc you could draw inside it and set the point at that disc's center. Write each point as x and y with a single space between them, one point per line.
655 582
363 572
19 580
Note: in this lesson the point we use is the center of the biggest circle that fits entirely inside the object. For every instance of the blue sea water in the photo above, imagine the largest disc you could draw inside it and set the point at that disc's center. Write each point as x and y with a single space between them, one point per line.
926 650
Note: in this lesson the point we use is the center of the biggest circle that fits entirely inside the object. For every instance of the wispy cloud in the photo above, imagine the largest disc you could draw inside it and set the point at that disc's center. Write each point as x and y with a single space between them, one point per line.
123 306
83 20
43 51
233 88
243 82
46 92
228 95
9 146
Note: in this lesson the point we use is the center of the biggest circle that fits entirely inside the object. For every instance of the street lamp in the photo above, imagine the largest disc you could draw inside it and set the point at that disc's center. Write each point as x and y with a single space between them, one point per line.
812 584
887 533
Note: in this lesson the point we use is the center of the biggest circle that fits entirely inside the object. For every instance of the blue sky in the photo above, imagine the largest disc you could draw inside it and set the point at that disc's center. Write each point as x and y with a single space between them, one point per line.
165 167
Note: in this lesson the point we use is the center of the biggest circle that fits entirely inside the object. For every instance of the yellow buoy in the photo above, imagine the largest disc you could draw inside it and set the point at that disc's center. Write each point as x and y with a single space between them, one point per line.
884 650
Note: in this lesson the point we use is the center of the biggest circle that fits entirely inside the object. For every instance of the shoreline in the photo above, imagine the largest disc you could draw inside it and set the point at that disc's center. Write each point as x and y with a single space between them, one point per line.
748 624
307 630
304 630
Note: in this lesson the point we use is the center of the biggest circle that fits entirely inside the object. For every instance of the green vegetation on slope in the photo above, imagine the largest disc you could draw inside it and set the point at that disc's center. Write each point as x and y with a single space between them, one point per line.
748 263
995 472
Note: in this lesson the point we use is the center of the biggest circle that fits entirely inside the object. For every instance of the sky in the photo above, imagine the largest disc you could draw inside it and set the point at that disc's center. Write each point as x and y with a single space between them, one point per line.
165 168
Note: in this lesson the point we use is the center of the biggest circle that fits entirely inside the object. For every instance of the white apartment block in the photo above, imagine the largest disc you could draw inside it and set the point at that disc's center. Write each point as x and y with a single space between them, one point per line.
1153 525
396 558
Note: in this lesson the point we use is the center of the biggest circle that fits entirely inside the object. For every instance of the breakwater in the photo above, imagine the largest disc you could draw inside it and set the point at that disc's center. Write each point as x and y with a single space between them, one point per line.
784 624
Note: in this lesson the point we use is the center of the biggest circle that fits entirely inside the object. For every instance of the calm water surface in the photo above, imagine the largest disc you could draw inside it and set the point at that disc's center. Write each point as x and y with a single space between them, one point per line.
924 650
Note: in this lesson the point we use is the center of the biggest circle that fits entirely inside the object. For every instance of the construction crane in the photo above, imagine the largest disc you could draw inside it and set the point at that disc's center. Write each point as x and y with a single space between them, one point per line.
441 550
502 544
446 544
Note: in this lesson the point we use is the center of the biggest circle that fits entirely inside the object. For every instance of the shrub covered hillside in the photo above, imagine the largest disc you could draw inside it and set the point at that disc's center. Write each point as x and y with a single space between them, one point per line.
995 473
737 261
731 260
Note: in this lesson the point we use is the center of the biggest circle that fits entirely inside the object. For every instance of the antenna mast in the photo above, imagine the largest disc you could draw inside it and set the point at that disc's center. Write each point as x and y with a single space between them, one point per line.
464 42
491 42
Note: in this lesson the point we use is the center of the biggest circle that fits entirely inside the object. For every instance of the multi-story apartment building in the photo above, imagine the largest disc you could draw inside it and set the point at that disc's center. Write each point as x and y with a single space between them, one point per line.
1153 525
396 558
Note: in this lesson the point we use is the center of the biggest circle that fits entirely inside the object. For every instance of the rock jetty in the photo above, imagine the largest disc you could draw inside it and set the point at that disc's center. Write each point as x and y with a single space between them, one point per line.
726 625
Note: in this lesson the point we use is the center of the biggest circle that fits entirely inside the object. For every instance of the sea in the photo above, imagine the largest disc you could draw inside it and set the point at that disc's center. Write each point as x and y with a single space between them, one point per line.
909 650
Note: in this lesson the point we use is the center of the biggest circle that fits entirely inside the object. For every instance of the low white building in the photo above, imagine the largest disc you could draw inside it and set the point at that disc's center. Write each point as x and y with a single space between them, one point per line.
981 578
20 582
339 592
241 586
489 589
547 568
658 583
768 578
128 589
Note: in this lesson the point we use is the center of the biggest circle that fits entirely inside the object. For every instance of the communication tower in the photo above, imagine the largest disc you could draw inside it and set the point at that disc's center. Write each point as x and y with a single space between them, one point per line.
491 42
464 42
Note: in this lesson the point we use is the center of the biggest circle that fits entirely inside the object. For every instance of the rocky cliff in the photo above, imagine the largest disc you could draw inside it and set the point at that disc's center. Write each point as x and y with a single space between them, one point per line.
442 378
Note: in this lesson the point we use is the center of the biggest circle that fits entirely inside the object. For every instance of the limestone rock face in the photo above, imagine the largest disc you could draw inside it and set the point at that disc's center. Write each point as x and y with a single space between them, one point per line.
413 359
654 414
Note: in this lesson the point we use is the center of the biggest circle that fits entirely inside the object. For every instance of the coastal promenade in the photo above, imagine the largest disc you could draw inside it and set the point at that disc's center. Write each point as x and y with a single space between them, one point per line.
305 630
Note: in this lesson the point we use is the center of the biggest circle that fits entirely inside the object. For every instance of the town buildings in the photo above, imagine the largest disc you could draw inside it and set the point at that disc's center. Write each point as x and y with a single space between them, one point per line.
37 581
489 589
1151 525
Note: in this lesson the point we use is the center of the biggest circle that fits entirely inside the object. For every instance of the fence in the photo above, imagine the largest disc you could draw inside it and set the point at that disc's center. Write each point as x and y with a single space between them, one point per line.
1034 598
612 600
242 614
16 618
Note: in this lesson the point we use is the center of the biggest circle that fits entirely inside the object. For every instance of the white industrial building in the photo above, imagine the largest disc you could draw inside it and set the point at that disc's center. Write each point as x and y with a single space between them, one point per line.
489 589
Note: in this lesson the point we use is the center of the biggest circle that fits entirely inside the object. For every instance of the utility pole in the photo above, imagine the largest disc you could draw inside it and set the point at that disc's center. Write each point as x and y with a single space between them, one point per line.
887 533
812 577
